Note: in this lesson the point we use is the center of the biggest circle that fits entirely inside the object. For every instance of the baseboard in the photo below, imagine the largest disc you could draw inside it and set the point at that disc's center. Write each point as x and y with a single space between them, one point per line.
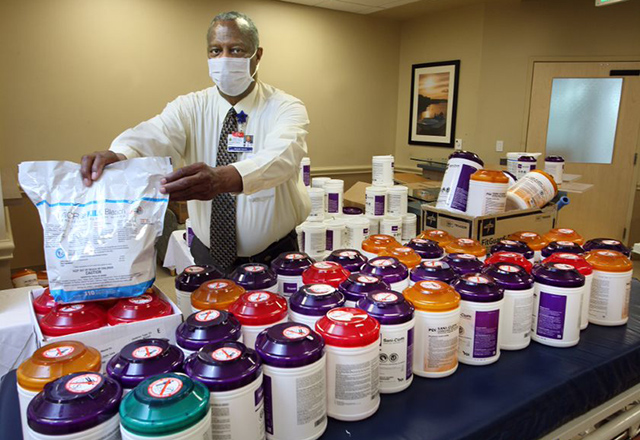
358 169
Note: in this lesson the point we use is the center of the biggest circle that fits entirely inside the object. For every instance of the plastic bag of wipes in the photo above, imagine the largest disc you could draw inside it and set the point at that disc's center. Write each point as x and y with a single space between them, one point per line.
98 241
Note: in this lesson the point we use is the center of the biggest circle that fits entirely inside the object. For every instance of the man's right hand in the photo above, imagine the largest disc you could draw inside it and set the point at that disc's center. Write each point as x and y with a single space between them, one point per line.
93 164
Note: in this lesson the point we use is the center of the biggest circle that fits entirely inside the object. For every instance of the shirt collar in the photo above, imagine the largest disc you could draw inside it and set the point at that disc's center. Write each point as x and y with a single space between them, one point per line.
247 104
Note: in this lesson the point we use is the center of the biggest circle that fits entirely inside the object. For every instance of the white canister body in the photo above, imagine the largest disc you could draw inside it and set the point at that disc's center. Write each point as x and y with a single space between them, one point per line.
201 431
397 200
356 231
314 239
534 190
305 171
455 184
479 342
556 315
399 286
392 225
317 204
318 182
288 285
486 198
374 225
334 235
187 353
523 167
295 401
238 413
515 333
586 301
555 169
334 190
396 356
375 201
409 227
382 170
108 430
309 320
251 332
184 302
353 378
273 289
610 295
24 397
435 349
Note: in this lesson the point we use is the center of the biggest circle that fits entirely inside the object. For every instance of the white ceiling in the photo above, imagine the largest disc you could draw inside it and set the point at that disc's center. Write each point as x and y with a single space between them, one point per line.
355 6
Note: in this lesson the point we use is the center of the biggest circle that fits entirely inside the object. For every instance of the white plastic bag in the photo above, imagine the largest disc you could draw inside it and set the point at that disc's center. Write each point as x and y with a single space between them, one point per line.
99 241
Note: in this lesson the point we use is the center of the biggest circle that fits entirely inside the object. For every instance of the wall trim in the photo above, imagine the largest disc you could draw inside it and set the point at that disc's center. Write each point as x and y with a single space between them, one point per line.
356 169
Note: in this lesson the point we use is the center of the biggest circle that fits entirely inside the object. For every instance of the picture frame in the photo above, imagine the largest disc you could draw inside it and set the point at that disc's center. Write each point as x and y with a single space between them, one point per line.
434 101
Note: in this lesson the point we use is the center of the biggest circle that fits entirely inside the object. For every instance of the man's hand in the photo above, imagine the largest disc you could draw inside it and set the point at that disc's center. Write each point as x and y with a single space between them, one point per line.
201 182
93 164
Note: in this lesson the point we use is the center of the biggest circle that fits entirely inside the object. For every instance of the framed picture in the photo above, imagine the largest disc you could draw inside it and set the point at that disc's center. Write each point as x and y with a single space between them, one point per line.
434 96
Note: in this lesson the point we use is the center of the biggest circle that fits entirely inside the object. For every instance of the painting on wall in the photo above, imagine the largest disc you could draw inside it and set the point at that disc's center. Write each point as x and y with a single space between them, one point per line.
434 95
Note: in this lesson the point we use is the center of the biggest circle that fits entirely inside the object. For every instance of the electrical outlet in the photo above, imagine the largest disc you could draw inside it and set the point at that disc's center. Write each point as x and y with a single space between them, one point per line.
499 145
458 144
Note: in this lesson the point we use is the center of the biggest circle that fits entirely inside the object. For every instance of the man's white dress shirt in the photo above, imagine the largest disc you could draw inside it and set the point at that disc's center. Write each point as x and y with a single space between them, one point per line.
274 199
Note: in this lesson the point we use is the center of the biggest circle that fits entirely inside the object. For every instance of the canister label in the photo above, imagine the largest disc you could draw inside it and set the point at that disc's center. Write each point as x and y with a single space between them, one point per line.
58 352
430 285
207 315
348 254
165 387
367 279
346 316
72 308
325 265
254 269
433 264
611 242
194 269
479 333
142 299
381 263
294 257
225 354
259 297
218 285
551 315
296 332
385 297
146 352
320 289
83 383
510 269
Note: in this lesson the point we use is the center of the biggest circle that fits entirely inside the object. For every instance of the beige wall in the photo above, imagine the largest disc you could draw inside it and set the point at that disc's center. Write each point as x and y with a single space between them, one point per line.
75 73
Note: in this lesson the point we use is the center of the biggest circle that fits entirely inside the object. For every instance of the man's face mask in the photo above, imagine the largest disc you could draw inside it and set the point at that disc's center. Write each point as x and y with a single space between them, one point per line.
231 75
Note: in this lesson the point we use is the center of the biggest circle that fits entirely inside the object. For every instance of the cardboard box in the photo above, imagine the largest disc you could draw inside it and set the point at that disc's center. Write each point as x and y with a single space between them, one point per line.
110 340
489 229
406 178
427 191
355 196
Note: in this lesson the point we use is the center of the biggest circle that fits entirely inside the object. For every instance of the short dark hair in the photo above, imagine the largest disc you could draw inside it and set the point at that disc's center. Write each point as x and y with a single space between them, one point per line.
245 24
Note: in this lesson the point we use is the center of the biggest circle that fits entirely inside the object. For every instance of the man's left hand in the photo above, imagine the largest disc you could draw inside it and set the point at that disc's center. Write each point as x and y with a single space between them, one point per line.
201 182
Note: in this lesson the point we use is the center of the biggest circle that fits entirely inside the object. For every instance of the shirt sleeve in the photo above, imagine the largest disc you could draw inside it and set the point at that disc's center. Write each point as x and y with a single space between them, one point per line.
284 148
162 135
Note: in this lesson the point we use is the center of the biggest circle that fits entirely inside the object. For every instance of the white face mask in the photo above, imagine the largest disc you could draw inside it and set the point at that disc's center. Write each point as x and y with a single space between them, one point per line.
231 75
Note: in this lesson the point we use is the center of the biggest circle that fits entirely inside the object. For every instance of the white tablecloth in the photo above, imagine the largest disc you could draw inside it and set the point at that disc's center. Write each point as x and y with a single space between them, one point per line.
17 338
178 256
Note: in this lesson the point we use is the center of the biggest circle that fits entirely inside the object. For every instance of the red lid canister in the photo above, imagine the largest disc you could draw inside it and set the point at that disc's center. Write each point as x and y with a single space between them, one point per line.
44 303
348 327
577 261
325 272
509 257
140 308
65 319
259 308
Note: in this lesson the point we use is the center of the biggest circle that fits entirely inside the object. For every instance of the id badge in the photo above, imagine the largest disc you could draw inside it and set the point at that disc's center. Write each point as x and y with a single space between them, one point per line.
236 143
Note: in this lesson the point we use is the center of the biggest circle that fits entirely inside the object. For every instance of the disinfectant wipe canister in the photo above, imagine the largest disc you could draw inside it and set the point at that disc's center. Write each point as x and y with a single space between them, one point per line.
455 183
215 294
382 170
581 265
376 201
435 347
511 258
356 231
325 272
295 381
533 190
409 226
607 243
288 267
317 204
318 182
463 263
255 276
517 283
611 288
374 224
395 316
554 166
72 318
142 359
533 240
519 247
257 311
49 363
335 234
392 225
487 193
391 270
43 304
305 171
312 237
350 259
564 234
437 235
168 406
375 244
140 308
403 254
481 305
428 250
557 303
568 247
78 406
525 164
233 374
352 211
432 271
352 339
334 190
207 327
189 280
312 302
466 246
357 286
397 200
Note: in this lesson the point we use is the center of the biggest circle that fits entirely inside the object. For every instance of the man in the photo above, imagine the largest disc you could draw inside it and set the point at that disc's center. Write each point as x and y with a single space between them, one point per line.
242 141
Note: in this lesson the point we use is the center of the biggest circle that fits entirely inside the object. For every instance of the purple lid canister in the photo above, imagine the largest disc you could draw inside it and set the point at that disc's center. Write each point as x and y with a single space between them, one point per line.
463 263
74 403
387 307
142 359
350 259
207 327
427 249
254 276
468 155
554 159
291 264
433 271
557 275
357 286
224 366
562 246
316 299
289 345
477 287
390 269
193 276
527 158
519 247
607 243
350 210
509 276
